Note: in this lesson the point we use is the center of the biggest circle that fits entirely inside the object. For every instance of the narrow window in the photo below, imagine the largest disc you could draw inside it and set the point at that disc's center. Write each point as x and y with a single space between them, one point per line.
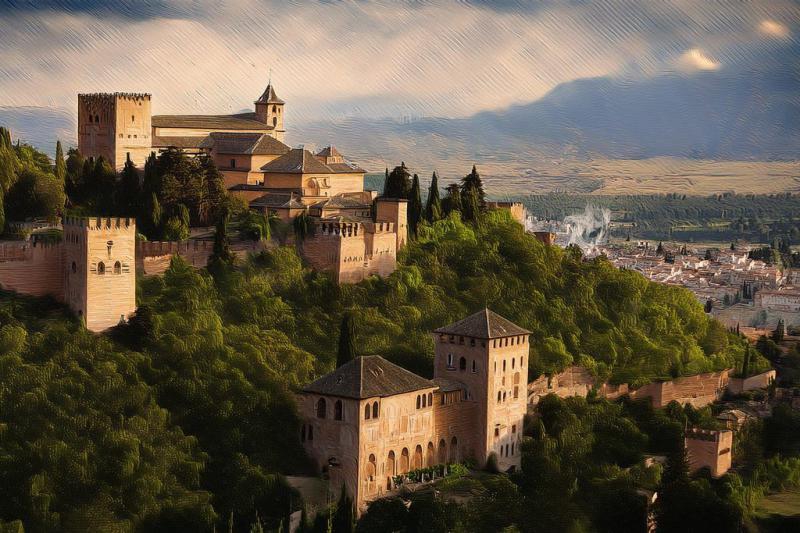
472 342
303 433
499 396
504 365
97 118
513 362
310 432
117 268
321 408
90 119
74 267
474 366
430 398
337 410
101 268
133 118
274 121
274 109
375 410
233 163
462 364
449 360
514 428
367 412
424 400
419 401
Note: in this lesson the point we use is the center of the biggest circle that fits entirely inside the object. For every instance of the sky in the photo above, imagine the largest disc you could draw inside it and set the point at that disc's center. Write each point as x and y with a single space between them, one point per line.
402 59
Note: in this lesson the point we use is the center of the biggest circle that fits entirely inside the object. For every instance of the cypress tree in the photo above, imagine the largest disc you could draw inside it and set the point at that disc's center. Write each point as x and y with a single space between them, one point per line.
221 252
676 469
151 217
347 340
433 206
398 183
61 166
471 208
414 207
129 189
74 175
344 519
385 181
472 181
453 200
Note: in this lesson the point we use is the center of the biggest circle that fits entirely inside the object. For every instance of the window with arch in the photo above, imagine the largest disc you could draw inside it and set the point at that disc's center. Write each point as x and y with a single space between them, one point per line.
513 363
430 398
430 455
419 401
404 457
133 118
514 428
117 268
504 395
367 412
499 396
274 109
372 467
442 457
74 267
337 410
375 410
474 366
424 400
322 408
454 450
418 457
274 121
101 268
450 361
504 365
97 118
462 364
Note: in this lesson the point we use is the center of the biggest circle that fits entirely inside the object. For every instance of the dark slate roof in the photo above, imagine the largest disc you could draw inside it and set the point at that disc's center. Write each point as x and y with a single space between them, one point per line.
367 377
484 324
178 142
242 121
269 96
244 143
248 187
343 168
278 200
449 385
329 151
297 161
340 201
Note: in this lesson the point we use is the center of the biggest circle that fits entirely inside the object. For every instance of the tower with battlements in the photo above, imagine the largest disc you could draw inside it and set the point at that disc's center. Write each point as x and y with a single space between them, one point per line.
100 269
115 126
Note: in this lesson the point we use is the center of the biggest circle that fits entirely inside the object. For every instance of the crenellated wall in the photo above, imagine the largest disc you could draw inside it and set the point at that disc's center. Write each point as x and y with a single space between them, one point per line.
32 268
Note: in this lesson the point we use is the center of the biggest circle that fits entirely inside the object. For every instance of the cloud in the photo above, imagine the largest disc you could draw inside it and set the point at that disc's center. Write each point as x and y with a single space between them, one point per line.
773 28
696 59
356 58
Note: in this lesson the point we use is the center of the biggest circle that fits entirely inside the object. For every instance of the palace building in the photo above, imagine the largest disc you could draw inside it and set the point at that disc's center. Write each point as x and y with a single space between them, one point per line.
370 421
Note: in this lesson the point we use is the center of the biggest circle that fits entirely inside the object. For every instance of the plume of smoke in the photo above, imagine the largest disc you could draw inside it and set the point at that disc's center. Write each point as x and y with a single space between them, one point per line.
589 229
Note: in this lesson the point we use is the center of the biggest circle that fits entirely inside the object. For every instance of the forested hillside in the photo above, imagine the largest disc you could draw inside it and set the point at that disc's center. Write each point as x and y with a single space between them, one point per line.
184 418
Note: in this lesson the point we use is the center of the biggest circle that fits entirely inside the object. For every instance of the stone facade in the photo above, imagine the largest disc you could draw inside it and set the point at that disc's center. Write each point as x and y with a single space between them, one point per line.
759 381
370 421
115 126
710 449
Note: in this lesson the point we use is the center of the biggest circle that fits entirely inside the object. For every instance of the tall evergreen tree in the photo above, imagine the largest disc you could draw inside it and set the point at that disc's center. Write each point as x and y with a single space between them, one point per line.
398 184
385 181
471 208
414 207
676 469
213 193
433 206
150 217
452 201
74 176
344 519
129 190
472 181
61 166
746 362
8 161
347 340
221 253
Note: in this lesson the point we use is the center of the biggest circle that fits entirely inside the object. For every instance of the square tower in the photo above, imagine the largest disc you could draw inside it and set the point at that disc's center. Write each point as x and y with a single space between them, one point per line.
489 356
115 126
394 210
269 110
100 269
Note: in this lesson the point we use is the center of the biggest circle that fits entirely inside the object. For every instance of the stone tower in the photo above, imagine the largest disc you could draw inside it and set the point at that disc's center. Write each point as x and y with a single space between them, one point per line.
115 126
100 269
394 210
489 356
269 109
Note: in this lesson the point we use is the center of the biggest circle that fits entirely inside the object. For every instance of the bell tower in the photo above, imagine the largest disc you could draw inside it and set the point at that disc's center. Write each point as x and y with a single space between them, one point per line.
489 356
269 110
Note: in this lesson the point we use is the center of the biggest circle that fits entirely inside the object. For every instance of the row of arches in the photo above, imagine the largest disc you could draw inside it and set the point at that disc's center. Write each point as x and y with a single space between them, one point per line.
462 364
101 268
513 363
424 400
322 409
405 461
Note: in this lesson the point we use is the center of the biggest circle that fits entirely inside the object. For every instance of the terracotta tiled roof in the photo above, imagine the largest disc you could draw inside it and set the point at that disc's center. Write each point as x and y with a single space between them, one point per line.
368 377
340 201
178 142
269 96
329 151
297 161
343 168
242 121
278 200
245 143
484 324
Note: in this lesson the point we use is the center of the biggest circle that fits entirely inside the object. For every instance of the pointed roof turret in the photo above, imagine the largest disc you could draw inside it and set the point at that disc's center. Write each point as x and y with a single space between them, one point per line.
269 96
485 324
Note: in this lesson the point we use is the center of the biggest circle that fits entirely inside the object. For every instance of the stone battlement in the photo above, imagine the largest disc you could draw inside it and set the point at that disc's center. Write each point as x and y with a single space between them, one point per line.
100 222
151 248
132 96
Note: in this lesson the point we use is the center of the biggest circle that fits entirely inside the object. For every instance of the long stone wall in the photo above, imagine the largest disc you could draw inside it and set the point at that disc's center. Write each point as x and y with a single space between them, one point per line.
32 268
698 390
153 257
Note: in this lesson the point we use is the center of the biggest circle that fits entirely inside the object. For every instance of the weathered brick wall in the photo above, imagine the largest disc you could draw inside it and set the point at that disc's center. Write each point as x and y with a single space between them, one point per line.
33 269
759 381
709 449
698 390
574 381
153 257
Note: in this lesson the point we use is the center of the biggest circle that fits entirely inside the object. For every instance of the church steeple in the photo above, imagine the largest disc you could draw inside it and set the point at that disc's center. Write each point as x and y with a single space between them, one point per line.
269 110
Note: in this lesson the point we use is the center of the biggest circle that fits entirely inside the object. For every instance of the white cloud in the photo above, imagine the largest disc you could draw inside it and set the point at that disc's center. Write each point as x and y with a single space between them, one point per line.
696 59
773 28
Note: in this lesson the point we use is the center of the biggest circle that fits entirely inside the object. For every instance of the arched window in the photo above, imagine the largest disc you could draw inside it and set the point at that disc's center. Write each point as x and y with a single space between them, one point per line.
390 470
417 457
522 362
462 364
504 395
117 268
424 400
504 365
499 396
449 360
474 366
454 450
337 410
274 109
513 362
442 451
367 412
430 398
419 401
403 461
133 118
97 118
74 267
375 410
274 121
430 455
372 468
101 268
303 433
513 428
322 408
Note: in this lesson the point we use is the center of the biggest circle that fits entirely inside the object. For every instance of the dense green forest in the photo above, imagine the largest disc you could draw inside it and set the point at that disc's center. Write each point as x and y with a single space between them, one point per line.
723 217
171 421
